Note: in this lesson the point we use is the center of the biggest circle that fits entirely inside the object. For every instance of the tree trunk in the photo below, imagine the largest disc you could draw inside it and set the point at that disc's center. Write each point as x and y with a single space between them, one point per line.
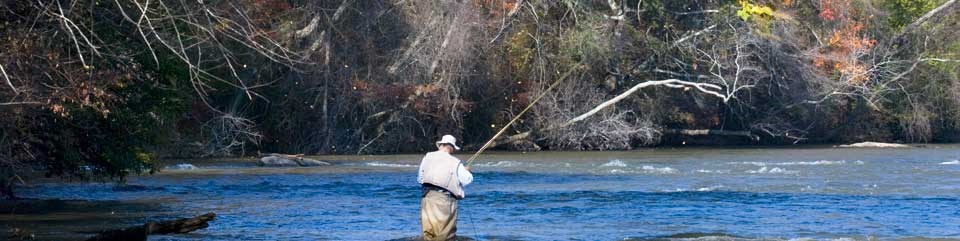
185 225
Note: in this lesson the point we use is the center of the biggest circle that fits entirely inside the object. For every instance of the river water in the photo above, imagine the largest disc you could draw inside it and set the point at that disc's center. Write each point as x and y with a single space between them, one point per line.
682 194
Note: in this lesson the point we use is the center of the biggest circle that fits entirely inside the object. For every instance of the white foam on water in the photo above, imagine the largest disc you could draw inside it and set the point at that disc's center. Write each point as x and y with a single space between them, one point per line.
709 189
833 239
383 164
759 164
858 162
813 163
795 163
614 163
954 162
659 170
499 164
182 166
644 170
774 170
702 189
713 171
846 239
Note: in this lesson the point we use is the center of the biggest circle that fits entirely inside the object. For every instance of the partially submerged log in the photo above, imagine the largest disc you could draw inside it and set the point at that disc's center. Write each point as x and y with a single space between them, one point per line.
871 144
185 225
281 160
707 132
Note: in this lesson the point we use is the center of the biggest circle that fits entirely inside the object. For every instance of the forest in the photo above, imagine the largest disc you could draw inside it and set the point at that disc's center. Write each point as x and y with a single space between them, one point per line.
102 89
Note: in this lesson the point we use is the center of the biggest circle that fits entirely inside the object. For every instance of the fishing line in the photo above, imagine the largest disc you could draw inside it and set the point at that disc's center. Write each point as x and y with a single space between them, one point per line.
517 117
476 235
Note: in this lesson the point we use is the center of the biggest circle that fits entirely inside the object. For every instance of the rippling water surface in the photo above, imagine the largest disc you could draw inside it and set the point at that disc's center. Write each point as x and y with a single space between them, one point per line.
727 194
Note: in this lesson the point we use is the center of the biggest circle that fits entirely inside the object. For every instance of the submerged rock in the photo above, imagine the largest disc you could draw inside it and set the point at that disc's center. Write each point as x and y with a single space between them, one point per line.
870 144
275 161
281 160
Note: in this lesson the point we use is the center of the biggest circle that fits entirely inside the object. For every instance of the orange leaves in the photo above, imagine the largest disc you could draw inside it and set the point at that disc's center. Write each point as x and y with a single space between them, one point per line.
846 43
842 53
820 61
59 110
854 73
827 14
829 9
498 7
848 39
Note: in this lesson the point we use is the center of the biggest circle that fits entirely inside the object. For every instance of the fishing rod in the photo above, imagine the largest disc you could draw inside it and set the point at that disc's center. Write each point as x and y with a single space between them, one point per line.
517 117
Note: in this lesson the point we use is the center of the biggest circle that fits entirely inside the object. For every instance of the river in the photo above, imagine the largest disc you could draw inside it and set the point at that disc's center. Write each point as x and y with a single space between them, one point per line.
664 193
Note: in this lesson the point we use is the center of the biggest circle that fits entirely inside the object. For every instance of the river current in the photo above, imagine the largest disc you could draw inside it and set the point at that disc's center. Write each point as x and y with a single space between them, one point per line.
819 193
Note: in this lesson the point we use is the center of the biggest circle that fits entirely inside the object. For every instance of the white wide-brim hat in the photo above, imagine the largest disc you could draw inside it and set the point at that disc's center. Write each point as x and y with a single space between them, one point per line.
448 139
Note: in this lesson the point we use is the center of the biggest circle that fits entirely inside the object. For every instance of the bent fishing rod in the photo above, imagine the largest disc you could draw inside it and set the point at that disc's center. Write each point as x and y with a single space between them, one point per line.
517 117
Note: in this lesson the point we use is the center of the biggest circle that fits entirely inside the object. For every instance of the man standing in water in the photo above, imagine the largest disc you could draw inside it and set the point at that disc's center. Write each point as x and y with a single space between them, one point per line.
442 176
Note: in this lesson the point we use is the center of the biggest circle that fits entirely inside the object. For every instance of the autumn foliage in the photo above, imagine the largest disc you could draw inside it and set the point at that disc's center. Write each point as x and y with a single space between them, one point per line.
106 93
845 44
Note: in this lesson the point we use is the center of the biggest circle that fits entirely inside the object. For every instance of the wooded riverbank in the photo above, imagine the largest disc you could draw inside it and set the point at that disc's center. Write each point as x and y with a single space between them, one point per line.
106 89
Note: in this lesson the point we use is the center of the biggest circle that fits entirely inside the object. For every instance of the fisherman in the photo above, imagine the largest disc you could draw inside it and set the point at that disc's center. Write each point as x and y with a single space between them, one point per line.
442 177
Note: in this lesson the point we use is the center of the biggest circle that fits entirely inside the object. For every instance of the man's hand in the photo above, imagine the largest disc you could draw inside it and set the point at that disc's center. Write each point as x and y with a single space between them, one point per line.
466 167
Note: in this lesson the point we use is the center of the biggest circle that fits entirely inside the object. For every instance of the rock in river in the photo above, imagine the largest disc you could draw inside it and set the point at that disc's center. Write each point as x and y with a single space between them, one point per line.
280 160
875 145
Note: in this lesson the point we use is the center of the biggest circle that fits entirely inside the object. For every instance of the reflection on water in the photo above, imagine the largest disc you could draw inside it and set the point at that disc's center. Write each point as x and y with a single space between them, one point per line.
675 194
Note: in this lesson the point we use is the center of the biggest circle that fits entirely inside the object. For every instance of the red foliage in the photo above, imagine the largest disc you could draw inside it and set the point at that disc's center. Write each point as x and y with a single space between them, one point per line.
829 9
846 42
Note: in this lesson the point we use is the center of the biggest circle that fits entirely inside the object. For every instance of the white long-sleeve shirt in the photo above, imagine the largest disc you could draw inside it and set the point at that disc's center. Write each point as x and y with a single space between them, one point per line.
464 176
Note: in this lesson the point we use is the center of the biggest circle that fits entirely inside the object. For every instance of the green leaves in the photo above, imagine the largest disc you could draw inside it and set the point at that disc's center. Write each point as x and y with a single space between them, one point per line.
903 12
748 10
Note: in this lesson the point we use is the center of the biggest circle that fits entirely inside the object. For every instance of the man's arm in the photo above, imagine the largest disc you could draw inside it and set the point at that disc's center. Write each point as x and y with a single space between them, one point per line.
420 172
464 175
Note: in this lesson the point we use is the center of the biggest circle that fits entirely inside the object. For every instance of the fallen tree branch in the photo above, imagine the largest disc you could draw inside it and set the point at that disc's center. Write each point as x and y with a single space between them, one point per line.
706 88
185 225
707 132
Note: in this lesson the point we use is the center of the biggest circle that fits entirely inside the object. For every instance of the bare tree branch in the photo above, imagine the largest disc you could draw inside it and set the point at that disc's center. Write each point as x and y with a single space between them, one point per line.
706 88
21 103
7 78
926 17
698 33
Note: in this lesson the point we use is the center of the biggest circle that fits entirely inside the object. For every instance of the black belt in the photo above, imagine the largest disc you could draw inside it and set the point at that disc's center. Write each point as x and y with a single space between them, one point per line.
427 187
